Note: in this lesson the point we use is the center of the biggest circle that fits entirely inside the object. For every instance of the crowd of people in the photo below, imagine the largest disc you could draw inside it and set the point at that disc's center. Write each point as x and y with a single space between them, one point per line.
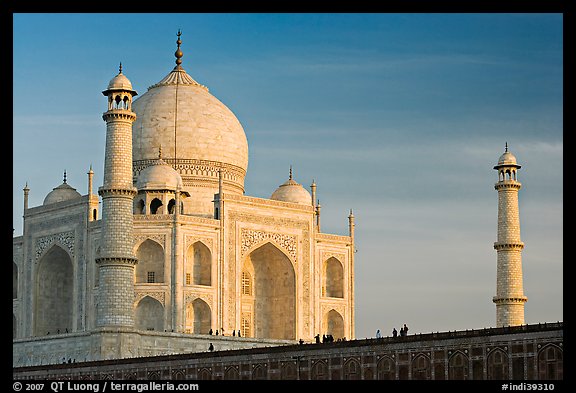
326 338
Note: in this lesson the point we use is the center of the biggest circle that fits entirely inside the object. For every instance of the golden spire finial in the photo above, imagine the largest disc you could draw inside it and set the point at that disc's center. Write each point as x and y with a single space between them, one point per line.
178 52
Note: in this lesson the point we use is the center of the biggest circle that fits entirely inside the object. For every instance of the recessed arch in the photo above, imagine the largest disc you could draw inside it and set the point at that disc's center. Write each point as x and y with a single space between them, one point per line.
198 317
352 369
204 374
54 293
272 305
497 363
149 314
551 362
198 264
319 371
334 324
333 278
288 371
258 373
421 367
150 266
458 366
386 368
231 373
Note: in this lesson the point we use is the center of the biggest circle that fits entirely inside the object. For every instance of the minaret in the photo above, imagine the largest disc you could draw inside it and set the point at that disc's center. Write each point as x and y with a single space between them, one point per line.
116 261
509 297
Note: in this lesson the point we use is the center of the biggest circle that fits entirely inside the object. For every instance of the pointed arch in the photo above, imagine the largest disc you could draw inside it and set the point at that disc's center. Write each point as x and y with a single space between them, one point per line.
198 264
497 363
272 305
550 362
334 324
54 293
231 373
198 317
259 373
150 266
352 369
319 371
149 314
386 368
458 366
421 367
288 371
333 278
205 374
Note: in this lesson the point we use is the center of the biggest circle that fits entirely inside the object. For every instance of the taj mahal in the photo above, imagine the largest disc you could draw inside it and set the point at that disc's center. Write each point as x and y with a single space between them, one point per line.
169 255
177 251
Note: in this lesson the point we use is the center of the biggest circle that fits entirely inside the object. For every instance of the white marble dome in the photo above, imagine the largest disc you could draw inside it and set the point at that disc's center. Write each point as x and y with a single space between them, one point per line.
292 191
197 132
159 176
63 192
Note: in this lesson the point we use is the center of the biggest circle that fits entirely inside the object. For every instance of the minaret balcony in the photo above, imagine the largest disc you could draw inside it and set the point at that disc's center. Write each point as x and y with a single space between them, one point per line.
508 245
512 184
509 300
119 114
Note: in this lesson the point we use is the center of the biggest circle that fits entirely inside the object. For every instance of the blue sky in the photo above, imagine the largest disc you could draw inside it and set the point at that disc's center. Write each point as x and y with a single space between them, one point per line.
400 117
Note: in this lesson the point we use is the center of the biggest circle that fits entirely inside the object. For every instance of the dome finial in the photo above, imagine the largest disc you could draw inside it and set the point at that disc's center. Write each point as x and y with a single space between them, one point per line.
506 147
120 68
160 152
64 175
178 52
290 177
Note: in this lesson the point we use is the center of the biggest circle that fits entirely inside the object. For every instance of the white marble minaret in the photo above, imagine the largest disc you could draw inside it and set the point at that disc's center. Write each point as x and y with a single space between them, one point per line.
116 261
509 297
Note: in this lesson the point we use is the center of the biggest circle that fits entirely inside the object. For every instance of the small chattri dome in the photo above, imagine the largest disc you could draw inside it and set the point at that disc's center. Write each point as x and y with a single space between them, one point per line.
120 82
159 176
507 159
292 191
61 193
